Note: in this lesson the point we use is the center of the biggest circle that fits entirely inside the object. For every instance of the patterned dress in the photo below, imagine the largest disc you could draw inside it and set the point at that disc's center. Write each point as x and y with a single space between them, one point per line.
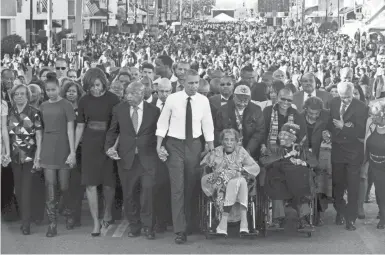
216 184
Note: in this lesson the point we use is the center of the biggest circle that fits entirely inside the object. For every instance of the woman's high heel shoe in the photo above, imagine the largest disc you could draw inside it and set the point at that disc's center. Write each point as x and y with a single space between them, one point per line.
97 234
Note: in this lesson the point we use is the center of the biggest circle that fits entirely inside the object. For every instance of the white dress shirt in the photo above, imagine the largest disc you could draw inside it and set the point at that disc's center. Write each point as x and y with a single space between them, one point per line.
159 104
140 114
149 100
223 103
306 97
173 117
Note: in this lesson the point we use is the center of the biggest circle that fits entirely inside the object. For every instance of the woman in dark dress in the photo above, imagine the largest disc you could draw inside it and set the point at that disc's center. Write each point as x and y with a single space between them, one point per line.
72 200
93 120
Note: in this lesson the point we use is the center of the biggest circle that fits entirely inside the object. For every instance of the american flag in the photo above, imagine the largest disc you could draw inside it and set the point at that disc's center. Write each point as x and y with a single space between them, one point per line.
92 7
43 5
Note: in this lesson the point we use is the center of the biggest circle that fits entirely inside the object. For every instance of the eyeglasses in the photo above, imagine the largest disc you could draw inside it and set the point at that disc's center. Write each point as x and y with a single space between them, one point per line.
286 99
61 68
228 84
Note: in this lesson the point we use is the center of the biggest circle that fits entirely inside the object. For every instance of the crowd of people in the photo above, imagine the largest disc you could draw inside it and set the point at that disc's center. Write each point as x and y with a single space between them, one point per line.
134 121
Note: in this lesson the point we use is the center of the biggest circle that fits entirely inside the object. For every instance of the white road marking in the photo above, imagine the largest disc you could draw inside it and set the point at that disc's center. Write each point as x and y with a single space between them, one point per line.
121 229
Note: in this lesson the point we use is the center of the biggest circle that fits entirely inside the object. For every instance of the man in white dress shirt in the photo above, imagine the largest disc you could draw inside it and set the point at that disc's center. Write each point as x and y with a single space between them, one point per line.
185 116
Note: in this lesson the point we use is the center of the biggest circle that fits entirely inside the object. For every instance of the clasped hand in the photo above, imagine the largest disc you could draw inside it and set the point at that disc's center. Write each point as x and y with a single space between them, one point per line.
162 153
71 160
112 153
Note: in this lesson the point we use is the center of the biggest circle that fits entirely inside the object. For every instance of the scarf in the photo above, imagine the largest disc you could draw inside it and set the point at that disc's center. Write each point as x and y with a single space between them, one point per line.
273 134
239 119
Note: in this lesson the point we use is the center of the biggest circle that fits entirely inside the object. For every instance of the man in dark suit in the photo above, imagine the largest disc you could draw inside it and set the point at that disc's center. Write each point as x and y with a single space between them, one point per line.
134 121
226 91
308 84
347 123
245 117
162 196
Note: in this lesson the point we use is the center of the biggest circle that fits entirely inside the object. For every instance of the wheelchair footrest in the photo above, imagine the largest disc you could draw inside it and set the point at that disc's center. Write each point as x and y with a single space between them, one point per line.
306 230
250 234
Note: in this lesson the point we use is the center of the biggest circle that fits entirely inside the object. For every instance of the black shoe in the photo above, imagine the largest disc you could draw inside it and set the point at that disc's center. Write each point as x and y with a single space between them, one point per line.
381 225
361 216
51 232
26 230
150 234
70 223
134 233
181 238
97 233
350 226
340 219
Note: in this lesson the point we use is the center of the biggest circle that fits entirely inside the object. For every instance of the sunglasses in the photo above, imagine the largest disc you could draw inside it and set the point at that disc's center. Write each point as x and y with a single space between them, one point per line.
286 99
61 68
228 84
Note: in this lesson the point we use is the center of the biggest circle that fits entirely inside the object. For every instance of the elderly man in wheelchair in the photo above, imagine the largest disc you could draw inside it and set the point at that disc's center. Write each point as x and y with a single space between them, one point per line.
289 174
227 185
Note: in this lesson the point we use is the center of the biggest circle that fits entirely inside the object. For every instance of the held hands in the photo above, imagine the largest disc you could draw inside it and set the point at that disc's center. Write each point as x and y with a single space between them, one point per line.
298 162
162 153
71 160
5 160
338 123
292 153
326 136
112 153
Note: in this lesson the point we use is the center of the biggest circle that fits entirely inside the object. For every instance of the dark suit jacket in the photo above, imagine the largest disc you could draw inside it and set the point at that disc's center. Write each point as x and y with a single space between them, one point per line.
216 101
253 126
144 140
323 95
316 138
346 148
154 99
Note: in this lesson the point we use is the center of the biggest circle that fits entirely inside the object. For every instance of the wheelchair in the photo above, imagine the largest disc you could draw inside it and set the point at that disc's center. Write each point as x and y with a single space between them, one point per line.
209 221
265 210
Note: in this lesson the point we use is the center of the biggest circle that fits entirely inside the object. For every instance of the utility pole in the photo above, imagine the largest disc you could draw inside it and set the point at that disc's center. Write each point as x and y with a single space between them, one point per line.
108 19
148 15
127 11
192 8
338 13
166 10
303 11
30 22
49 24
326 14
181 11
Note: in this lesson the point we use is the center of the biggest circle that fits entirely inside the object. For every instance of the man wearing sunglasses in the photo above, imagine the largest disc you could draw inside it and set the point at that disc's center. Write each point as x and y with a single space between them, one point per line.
61 67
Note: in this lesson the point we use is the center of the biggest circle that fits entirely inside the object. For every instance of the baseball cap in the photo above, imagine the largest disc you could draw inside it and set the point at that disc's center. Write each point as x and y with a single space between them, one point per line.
242 90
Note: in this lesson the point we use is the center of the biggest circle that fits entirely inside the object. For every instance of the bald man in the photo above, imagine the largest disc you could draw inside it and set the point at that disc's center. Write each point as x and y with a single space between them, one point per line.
308 83
347 124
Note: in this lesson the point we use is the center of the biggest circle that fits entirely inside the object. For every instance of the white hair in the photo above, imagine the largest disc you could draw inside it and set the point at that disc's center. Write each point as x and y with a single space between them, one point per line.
345 87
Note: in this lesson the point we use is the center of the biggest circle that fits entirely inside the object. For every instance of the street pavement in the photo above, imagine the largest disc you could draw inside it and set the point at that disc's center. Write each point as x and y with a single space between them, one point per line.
327 239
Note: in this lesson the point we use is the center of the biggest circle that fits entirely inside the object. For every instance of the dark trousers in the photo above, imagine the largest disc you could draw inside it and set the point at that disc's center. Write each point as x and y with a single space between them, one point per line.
379 184
73 199
138 187
28 185
118 202
162 196
346 176
8 201
183 169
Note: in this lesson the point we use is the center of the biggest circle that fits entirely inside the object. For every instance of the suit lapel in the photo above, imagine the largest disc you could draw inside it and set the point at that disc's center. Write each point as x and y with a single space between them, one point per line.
128 112
231 109
349 111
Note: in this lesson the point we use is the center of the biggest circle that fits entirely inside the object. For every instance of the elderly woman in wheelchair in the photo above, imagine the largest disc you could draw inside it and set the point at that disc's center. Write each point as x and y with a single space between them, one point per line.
289 174
227 185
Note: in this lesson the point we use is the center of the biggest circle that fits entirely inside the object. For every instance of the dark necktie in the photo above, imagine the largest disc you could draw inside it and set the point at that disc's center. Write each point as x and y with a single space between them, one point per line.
309 96
162 105
189 129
